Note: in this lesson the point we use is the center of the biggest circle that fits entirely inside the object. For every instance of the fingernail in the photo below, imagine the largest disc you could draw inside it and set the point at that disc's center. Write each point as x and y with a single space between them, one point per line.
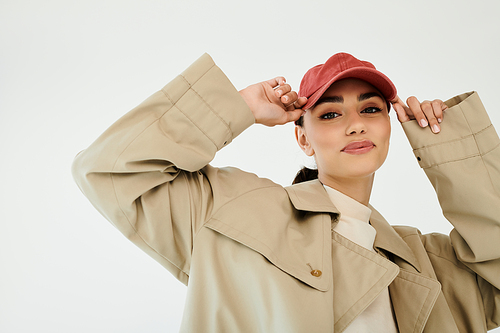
285 98
423 123
440 120
279 92
435 128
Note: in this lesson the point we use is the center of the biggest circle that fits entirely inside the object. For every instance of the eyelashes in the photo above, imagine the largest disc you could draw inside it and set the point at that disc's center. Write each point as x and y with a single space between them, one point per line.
329 115
333 115
372 109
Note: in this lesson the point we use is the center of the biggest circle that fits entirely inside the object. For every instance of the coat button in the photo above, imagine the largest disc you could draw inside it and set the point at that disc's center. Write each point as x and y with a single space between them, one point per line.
316 272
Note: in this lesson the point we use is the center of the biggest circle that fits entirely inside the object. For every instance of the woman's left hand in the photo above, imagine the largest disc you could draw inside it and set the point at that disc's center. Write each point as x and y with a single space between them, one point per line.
427 113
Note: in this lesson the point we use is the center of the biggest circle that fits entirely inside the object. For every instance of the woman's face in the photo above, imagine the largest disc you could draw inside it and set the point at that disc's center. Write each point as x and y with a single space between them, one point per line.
347 131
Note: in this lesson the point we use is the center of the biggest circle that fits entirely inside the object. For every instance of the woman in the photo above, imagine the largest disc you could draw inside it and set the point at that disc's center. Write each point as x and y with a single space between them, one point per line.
312 257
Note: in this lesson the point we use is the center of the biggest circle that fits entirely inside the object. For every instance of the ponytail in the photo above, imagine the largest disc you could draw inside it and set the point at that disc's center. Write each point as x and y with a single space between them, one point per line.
305 174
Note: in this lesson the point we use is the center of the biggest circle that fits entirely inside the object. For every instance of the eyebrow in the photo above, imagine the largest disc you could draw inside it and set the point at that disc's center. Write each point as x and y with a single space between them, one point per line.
368 95
340 99
330 99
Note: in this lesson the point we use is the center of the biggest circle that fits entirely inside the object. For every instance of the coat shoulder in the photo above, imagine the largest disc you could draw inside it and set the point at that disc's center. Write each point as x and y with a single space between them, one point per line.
433 243
437 246
405 231
229 183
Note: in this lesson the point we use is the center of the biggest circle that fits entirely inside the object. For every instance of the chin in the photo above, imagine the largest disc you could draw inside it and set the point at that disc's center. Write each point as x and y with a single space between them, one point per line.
349 169
365 167
362 171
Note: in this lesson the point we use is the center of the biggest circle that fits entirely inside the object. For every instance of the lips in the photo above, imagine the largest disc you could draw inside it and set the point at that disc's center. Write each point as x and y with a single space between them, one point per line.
358 147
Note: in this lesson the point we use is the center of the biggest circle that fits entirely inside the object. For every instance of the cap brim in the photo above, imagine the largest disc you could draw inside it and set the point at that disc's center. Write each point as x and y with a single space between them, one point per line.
370 75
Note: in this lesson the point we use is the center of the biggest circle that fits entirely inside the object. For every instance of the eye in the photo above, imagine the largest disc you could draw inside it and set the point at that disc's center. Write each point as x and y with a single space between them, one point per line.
329 115
371 109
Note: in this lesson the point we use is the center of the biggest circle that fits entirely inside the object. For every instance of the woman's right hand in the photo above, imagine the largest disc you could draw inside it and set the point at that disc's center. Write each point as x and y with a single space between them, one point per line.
273 102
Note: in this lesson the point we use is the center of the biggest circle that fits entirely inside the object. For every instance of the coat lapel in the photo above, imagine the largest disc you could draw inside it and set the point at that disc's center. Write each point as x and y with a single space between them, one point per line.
413 297
389 240
297 242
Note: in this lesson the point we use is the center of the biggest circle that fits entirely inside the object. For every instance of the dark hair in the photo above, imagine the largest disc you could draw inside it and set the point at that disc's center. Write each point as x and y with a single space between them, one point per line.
300 121
305 174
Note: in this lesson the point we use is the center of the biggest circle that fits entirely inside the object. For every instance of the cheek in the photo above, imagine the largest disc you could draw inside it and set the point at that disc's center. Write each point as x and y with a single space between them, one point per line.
324 139
385 136
384 129
386 133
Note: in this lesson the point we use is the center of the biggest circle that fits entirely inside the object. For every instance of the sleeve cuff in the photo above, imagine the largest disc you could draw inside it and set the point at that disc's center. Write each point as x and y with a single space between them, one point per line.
208 99
466 131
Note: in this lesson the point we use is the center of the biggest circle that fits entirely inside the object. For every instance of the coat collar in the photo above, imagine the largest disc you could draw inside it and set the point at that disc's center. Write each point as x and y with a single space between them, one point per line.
311 196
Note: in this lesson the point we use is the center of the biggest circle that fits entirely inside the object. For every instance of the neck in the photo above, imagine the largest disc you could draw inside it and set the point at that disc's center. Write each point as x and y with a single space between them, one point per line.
359 189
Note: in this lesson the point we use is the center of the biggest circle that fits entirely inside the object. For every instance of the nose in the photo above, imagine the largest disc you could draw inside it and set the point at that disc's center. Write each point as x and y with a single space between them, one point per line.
355 124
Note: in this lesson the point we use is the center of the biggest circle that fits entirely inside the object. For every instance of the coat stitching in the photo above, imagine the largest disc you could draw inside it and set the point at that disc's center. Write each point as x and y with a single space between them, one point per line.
464 158
424 286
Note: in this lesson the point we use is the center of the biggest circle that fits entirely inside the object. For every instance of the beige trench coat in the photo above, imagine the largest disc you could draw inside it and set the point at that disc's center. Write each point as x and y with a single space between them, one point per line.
246 247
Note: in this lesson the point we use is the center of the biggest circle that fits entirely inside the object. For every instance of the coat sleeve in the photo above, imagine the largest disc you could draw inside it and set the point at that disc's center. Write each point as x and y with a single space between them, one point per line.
146 174
463 164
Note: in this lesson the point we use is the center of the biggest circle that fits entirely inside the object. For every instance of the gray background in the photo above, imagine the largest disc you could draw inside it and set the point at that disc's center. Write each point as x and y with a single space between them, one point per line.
69 69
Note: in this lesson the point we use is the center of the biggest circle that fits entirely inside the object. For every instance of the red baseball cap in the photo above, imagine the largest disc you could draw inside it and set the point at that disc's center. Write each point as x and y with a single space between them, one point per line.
341 66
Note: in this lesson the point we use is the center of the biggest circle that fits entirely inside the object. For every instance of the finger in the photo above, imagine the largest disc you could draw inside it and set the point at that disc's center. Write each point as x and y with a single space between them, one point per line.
415 108
276 81
397 100
401 113
282 90
294 115
298 105
431 117
438 106
289 98
301 101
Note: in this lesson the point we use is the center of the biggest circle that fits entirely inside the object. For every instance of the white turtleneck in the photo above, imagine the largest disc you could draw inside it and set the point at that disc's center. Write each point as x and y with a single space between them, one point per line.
354 225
